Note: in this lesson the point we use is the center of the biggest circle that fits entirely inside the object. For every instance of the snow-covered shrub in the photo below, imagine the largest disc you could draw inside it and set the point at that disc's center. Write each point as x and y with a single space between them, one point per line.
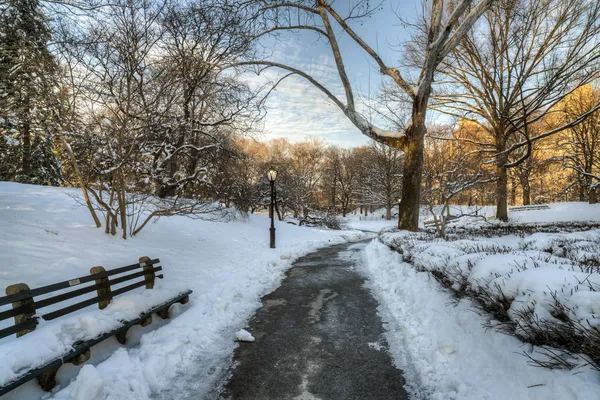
542 287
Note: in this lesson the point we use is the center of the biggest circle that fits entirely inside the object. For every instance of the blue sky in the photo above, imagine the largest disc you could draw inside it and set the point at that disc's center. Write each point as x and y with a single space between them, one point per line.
298 110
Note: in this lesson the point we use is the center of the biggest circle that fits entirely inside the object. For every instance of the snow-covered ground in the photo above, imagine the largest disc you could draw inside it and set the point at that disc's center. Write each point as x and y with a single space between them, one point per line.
368 224
46 238
444 348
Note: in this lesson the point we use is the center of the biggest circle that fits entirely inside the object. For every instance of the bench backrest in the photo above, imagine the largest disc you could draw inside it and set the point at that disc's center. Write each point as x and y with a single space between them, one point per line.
24 307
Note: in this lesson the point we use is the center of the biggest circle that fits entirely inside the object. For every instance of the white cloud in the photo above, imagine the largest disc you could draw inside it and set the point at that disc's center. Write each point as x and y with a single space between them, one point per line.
297 109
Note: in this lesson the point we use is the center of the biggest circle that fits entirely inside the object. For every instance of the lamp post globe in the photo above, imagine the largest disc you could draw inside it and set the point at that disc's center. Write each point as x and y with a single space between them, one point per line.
271 176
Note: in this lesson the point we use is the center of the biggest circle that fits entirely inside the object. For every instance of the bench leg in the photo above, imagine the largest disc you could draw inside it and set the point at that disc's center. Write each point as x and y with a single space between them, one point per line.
122 336
164 314
47 380
184 300
146 322
80 359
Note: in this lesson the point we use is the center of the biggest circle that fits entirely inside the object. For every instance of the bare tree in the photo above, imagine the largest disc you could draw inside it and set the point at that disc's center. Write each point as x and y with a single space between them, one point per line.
581 143
342 171
526 56
386 180
450 169
445 27
157 116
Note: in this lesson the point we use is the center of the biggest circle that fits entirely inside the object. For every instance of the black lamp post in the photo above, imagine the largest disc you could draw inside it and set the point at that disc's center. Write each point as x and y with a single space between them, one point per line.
271 176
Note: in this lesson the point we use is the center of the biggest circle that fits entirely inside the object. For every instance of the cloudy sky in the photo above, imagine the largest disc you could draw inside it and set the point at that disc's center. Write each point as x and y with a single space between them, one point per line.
296 109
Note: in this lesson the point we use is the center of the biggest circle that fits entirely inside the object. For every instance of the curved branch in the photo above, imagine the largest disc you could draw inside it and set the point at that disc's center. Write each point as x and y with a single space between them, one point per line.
391 138
384 69
337 55
296 71
290 28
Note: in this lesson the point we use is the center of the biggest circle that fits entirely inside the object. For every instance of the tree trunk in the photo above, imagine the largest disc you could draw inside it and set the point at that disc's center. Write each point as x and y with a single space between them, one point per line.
501 192
592 192
26 159
513 191
526 194
593 196
408 214
388 212
81 182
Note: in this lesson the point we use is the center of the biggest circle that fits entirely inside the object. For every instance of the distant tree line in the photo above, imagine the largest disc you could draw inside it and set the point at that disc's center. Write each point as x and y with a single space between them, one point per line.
312 177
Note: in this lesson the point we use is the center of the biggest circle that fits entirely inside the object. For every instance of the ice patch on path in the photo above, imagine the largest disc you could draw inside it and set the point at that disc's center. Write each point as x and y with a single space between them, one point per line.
88 385
244 336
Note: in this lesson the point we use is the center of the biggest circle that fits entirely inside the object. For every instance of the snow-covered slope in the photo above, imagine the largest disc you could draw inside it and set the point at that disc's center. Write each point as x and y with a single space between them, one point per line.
46 237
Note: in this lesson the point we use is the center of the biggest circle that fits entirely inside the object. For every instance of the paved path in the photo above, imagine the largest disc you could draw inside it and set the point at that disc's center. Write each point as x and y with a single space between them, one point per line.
318 336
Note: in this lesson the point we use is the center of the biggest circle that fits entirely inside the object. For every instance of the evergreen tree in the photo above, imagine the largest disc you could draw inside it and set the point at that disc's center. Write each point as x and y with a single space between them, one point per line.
28 95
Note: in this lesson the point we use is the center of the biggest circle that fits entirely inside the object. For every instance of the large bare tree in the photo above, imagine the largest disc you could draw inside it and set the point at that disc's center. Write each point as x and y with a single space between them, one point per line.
509 73
581 144
446 25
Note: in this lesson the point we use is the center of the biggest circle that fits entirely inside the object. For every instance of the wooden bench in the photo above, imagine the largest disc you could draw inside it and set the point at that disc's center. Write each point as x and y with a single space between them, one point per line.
26 308
528 208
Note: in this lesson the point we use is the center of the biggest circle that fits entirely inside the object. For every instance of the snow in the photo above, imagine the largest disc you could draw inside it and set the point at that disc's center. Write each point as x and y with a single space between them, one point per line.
572 212
444 349
568 212
445 352
532 271
88 385
373 222
244 336
560 212
47 236
365 125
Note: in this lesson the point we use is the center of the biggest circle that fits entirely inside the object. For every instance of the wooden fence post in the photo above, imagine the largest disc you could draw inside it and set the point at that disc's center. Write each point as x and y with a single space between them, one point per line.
25 316
150 275
103 290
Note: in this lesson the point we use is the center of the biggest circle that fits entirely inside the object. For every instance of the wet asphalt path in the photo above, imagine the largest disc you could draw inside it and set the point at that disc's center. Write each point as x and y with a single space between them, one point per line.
318 336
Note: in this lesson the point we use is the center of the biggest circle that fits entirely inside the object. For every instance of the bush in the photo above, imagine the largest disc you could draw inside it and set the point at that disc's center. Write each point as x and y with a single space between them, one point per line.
563 339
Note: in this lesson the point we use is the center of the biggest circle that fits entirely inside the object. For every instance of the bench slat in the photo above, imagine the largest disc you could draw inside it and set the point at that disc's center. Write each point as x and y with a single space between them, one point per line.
27 308
133 276
30 323
67 284
69 295
89 289
95 300
133 286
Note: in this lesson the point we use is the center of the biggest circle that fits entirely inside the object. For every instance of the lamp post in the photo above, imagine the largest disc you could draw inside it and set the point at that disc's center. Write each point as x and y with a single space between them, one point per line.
271 176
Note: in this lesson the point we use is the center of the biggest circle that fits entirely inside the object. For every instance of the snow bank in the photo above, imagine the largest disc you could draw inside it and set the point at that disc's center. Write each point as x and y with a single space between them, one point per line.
444 350
47 237
532 272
